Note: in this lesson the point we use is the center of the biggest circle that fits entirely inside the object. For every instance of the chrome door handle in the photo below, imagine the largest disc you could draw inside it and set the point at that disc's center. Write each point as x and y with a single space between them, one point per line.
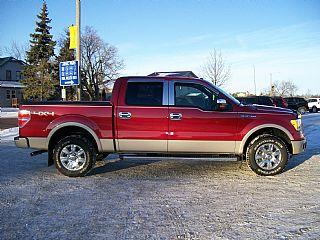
175 116
124 115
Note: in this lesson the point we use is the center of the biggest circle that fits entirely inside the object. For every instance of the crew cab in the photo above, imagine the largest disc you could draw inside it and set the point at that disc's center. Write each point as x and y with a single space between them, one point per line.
167 116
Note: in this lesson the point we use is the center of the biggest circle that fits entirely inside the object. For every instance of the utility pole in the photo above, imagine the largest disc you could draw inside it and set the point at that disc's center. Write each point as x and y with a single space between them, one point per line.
78 55
254 80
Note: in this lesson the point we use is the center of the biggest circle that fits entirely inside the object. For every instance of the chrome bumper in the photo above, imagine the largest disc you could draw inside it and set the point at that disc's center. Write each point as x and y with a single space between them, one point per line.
31 142
299 146
21 142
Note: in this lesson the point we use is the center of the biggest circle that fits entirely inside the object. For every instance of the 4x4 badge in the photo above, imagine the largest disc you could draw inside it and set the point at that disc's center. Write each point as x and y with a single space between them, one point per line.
43 113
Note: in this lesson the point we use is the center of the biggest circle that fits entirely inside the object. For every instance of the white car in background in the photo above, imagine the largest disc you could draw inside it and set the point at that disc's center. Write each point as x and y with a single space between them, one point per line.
314 104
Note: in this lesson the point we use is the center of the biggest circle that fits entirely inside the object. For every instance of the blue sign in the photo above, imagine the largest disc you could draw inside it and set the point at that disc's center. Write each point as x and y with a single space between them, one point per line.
68 72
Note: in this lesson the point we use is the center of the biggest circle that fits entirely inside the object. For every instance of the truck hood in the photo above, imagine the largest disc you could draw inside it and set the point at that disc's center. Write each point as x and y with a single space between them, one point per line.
266 109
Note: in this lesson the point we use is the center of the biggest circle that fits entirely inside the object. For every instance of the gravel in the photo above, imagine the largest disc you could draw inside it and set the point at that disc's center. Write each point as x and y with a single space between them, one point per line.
144 199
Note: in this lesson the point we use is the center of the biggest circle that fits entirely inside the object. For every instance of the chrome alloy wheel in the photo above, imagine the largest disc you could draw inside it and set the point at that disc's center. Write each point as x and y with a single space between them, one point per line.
268 156
73 157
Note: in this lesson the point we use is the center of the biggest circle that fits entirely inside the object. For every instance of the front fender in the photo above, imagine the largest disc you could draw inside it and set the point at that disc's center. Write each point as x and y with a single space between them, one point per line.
252 130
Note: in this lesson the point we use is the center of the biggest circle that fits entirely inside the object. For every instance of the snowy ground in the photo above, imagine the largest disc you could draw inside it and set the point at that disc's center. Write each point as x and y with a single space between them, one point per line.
7 135
161 199
9 112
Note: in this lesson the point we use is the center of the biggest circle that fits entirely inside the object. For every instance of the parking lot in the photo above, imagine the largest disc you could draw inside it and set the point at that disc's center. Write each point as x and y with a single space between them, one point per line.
144 199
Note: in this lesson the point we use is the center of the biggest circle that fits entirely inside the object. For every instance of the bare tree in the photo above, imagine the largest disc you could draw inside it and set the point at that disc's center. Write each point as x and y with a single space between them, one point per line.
16 50
215 69
308 94
285 88
100 62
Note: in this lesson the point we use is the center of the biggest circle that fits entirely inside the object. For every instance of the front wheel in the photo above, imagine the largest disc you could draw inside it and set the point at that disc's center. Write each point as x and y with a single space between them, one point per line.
74 156
267 155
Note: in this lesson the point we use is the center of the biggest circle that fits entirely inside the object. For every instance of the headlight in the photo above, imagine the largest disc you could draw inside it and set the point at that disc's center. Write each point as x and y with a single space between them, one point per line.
296 123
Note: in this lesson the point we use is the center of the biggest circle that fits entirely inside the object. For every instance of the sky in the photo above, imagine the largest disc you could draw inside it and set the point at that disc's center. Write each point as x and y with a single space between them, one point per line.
278 38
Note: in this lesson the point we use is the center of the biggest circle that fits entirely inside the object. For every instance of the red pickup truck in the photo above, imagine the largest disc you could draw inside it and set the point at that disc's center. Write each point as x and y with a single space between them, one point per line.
171 116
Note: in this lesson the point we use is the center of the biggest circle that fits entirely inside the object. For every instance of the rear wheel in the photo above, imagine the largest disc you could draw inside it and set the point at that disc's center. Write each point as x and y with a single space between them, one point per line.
267 155
314 109
74 156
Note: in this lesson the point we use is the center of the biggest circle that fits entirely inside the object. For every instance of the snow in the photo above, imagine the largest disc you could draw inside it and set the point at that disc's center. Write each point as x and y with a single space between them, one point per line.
10 84
9 112
145 199
311 128
8 135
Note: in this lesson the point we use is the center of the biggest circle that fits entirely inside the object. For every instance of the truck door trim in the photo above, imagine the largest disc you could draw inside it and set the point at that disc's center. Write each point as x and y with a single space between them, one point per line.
144 145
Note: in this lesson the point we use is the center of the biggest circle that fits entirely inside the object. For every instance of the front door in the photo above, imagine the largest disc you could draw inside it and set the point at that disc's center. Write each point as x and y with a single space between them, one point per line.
142 116
196 122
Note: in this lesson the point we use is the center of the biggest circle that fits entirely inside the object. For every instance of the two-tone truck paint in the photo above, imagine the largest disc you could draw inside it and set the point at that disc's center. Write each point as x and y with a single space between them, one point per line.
161 115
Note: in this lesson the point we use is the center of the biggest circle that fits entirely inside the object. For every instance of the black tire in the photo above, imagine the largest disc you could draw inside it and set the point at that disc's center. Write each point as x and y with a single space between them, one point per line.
314 109
256 145
88 154
302 110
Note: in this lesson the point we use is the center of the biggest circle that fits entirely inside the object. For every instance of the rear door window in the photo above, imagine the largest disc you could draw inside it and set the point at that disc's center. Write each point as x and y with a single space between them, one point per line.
144 93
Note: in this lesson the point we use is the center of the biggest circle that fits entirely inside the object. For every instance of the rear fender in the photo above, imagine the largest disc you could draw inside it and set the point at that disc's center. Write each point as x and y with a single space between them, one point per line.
75 121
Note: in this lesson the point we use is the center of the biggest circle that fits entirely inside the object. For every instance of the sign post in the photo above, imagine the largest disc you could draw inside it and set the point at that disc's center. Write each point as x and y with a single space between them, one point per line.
63 94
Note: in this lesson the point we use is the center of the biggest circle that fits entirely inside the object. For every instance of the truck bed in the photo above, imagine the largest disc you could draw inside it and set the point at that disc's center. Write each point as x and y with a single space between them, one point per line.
47 115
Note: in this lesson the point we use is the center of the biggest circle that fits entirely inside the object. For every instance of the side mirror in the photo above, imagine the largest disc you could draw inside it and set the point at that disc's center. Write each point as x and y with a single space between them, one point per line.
222 105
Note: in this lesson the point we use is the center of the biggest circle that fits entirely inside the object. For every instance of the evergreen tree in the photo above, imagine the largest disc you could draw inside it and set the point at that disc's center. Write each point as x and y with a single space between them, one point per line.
38 80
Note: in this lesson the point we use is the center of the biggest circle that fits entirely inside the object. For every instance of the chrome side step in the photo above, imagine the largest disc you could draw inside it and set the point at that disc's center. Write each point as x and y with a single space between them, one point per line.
200 158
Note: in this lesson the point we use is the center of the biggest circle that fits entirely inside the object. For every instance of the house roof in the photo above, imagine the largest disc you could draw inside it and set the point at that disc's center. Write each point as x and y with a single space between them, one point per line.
174 74
10 84
10 59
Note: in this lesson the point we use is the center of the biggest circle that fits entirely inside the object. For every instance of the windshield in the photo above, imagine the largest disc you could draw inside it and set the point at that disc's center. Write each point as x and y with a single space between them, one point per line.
236 101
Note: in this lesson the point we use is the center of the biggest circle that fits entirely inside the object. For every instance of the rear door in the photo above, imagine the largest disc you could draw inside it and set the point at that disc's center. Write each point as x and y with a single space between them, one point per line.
142 116
196 124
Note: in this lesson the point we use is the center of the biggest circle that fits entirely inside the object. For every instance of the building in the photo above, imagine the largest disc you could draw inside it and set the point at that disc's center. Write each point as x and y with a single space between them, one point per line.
174 74
10 86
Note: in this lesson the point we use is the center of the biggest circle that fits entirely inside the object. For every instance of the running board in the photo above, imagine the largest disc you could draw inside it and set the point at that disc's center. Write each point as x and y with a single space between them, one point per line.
214 158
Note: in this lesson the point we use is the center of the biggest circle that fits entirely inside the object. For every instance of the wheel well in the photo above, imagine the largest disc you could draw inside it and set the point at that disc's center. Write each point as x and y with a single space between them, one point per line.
67 131
273 131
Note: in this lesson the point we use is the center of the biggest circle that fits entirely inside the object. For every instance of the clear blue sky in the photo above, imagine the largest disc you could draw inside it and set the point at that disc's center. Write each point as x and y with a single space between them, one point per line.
278 37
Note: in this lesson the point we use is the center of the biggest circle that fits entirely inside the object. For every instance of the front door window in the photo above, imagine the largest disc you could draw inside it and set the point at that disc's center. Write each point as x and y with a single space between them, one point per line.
194 95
